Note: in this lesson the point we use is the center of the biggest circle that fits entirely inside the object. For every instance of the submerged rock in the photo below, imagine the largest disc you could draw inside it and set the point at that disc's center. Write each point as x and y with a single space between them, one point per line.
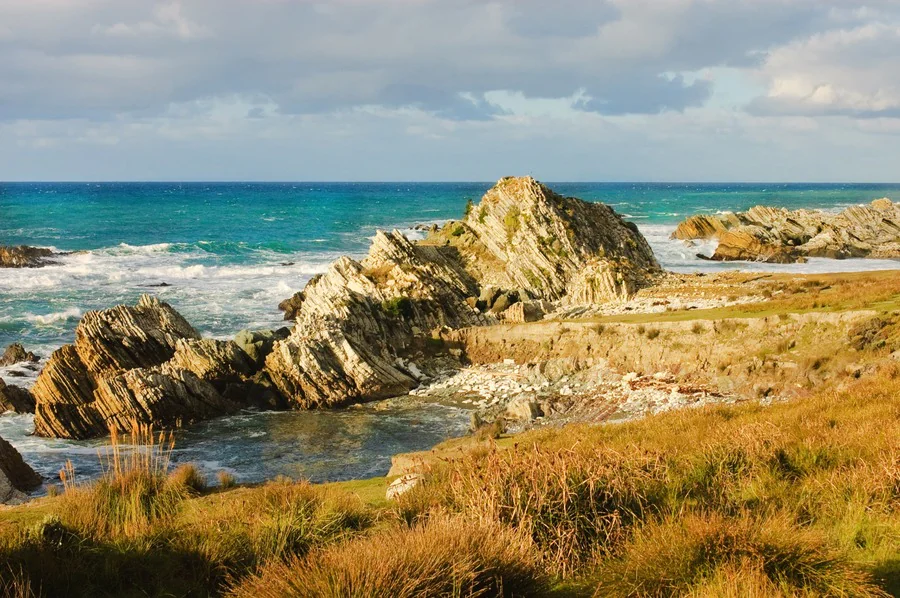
23 256
143 363
16 353
16 476
778 235
15 399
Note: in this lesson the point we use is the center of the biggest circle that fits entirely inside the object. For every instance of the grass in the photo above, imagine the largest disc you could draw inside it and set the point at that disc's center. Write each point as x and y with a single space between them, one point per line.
794 499
446 557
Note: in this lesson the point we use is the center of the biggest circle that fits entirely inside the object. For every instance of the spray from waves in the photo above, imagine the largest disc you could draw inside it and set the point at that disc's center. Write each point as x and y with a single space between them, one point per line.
72 313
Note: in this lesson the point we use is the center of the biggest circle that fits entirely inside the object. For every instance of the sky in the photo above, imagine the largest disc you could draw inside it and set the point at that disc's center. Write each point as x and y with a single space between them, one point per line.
448 90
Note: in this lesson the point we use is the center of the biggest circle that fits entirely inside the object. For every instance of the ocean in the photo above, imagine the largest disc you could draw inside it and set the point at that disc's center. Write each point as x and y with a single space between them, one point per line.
230 252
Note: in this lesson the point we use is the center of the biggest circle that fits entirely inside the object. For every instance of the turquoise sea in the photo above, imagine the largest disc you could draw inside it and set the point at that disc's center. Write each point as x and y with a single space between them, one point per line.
231 251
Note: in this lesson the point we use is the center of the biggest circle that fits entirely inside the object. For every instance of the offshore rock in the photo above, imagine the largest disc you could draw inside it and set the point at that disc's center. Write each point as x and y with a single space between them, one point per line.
143 363
16 476
522 245
23 256
15 399
777 235
525 237
16 353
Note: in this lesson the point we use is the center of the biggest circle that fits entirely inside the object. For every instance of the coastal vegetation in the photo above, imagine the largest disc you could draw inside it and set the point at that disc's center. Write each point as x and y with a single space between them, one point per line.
793 498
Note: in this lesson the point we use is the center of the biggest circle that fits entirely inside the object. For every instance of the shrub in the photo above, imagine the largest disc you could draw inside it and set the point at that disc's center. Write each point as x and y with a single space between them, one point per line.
398 307
446 557
698 328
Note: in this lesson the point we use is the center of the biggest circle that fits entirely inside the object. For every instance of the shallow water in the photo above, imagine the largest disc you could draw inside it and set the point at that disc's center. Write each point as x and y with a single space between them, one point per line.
230 253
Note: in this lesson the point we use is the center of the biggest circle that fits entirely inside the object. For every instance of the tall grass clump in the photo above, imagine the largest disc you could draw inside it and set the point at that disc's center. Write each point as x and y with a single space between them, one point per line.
574 504
445 557
133 494
708 554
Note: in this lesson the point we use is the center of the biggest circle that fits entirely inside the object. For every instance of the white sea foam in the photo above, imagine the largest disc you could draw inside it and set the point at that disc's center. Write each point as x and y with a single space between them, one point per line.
72 313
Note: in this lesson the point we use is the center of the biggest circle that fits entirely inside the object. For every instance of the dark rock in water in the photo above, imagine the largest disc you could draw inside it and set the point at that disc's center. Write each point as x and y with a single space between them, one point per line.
158 285
143 363
287 263
16 353
23 256
776 235
16 476
16 399
258 343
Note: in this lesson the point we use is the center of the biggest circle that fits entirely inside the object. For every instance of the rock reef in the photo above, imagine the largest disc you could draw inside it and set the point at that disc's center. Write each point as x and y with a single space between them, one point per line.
777 235
143 363
23 256
363 330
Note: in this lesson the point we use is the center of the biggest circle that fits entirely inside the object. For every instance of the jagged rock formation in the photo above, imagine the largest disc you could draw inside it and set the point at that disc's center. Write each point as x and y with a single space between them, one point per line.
16 476
523 236
356 326
143 363
521 246
781 236
16 353
354 321
15 399
23 256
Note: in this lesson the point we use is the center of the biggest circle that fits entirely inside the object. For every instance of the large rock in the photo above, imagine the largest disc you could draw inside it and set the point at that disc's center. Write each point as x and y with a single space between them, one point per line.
23 256
16 399
523 236
16 353
16 476
359 317
357 322
777 235
143 363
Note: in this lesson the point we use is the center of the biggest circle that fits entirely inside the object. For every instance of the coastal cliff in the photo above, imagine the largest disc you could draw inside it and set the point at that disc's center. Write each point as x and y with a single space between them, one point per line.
363 330
776 235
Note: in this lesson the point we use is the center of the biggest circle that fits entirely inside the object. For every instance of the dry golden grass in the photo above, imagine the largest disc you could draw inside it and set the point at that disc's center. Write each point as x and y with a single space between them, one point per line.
446 557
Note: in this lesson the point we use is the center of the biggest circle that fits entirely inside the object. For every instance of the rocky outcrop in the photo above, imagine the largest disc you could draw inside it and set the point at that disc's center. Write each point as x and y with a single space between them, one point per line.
522 246
16 476
525 237
143 363
356 320
781 236
15 399
23 256
357 328
16 353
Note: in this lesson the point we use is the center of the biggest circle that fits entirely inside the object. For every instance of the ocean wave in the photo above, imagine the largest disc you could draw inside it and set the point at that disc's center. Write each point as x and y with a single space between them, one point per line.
73 313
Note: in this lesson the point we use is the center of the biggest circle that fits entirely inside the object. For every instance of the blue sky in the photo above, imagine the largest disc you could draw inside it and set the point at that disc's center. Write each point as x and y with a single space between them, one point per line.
655 90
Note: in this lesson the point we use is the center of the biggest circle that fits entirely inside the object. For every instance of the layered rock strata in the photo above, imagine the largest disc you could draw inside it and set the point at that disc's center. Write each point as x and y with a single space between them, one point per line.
521 248
778 235
517 255
143 363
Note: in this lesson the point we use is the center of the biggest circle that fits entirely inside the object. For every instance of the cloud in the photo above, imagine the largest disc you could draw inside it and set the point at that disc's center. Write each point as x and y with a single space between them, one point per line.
312 56
451 84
